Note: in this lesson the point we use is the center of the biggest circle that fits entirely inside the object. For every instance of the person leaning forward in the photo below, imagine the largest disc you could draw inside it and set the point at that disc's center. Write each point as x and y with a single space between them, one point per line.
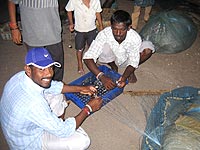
29 116
118 45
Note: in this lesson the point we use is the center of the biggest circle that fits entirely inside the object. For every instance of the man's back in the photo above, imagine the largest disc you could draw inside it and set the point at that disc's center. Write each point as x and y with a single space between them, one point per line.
40 22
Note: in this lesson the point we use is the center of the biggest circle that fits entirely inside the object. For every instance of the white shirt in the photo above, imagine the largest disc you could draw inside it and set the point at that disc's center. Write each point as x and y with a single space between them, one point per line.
126 52
85 18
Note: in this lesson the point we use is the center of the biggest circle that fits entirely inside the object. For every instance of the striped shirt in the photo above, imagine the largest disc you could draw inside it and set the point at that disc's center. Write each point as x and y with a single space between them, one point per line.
37 3
125 53
41 24
25 114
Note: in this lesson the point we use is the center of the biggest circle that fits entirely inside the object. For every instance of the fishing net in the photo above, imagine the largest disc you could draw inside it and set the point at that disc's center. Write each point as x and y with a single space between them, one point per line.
170 31
172 118
164 121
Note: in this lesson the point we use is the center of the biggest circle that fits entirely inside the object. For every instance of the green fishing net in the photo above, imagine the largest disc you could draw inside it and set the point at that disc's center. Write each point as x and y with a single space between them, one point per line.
170 31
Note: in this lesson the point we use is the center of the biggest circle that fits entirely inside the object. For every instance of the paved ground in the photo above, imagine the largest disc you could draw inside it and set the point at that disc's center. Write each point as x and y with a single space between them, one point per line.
161 72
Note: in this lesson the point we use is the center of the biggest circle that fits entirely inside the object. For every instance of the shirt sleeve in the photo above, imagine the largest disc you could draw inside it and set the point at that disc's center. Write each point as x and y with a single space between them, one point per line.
96 47
70 6
15 1
42 116
134 49
99 9
56 87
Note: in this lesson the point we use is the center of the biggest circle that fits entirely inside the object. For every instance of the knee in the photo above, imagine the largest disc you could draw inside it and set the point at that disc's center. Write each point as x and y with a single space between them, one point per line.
86 142
146 52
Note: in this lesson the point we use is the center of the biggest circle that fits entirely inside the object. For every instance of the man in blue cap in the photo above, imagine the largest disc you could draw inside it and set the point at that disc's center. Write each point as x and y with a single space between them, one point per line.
28 118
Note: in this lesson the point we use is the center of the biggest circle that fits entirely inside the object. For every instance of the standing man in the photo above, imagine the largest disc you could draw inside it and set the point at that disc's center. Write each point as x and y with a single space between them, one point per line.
118 45
41 27
27 118
86 12
138 4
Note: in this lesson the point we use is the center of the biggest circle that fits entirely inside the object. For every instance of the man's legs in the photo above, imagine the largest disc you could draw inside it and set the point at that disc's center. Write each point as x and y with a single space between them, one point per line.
57 53
78 141
108 3
79 55
57 103
80 42
145 55
135 16
147 13
146 51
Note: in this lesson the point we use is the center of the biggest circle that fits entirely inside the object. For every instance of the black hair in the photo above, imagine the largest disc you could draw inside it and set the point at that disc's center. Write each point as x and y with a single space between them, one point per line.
121 16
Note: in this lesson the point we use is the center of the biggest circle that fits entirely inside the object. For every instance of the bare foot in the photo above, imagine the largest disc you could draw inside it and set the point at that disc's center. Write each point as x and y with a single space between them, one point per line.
132 78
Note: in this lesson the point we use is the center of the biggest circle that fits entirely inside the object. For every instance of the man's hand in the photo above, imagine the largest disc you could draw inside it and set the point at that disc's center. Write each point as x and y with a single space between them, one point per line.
95 103
120 83
16 36
88 90
71 27
107 82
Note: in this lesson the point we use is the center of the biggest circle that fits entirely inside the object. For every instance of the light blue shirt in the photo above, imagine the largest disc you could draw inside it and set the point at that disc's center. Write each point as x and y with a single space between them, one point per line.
25 114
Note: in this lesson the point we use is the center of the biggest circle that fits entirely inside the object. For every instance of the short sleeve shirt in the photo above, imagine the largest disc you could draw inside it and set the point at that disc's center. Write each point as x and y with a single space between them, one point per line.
127 51
40 21
85 18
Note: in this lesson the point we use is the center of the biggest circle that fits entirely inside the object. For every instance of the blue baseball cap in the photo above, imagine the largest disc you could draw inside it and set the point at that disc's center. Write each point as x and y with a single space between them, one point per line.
40 58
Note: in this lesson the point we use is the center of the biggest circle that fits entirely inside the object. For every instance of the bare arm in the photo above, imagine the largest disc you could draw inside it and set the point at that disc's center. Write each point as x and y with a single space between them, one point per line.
90 90
92 66
16 35
107 82
71 23
99 19
95 104
12 11
128 71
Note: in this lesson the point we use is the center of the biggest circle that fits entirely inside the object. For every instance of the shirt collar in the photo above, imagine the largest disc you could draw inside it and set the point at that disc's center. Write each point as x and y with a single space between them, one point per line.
31 85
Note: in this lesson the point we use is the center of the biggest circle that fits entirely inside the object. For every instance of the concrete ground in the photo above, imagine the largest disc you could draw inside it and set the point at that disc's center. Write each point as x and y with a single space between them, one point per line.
107 130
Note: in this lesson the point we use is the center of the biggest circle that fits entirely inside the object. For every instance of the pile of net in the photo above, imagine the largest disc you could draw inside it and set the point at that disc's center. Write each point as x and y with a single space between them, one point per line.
174 122
170 31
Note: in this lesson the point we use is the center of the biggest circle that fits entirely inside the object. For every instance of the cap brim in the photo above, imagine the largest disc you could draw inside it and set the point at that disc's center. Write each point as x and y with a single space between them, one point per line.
45 64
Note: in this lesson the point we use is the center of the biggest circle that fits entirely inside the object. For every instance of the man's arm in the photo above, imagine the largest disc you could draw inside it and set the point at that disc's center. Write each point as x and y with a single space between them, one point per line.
107 82
127 73
15 32
90 90
99 19
91 65
71 23
95 104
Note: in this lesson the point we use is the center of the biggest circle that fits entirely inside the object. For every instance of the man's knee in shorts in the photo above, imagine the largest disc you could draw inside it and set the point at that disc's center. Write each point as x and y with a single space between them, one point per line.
84 142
